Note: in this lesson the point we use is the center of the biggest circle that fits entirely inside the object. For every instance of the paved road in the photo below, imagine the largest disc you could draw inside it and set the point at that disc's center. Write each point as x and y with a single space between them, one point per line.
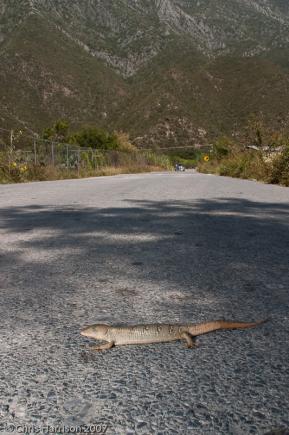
175 247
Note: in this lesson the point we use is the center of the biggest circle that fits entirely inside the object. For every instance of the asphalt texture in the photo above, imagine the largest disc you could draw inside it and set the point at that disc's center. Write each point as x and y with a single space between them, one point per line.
163 247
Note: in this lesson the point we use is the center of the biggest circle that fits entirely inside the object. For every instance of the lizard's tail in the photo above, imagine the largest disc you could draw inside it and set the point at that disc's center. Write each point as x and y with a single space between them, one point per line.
204 328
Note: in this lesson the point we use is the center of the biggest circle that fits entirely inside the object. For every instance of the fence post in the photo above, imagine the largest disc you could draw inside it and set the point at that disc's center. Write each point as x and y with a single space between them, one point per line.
78 162
92 159
67 159
95 161
35 151
11 138
10 155
52 153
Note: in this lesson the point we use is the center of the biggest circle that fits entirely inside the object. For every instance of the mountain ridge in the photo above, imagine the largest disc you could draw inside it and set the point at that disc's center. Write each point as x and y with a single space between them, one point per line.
119 24
164 70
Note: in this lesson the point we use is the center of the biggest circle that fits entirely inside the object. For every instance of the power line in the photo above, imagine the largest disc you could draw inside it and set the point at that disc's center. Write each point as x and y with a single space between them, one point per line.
174 148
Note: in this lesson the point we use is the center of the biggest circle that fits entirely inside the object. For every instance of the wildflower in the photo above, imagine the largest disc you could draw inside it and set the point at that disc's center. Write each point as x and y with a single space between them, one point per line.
206 158
23 168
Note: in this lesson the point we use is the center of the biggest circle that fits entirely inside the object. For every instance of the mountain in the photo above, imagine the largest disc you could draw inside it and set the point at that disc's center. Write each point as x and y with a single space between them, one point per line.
170 72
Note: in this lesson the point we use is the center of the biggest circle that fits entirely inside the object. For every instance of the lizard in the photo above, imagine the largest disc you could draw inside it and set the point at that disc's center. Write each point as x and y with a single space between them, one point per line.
156 333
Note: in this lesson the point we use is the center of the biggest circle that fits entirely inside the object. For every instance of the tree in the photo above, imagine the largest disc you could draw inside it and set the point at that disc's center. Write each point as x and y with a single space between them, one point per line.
58 132
222 147
92 137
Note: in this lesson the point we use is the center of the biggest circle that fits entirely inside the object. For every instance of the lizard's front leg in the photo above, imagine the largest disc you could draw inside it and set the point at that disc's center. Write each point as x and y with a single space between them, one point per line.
189 339
101 347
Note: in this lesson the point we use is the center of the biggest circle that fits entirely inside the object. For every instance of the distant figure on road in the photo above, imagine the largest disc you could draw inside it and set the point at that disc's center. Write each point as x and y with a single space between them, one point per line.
179 167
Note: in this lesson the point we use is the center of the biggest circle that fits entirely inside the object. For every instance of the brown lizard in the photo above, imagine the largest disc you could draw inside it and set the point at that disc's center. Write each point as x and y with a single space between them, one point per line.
156 333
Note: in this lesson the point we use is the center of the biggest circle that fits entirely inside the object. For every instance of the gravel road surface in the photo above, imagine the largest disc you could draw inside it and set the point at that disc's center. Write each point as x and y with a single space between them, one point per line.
163 247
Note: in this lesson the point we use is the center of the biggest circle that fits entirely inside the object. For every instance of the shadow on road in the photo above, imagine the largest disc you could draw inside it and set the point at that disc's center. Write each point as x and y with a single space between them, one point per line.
223 256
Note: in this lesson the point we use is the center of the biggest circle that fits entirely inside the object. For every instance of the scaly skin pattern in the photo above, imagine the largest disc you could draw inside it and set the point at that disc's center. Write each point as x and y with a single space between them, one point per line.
157 333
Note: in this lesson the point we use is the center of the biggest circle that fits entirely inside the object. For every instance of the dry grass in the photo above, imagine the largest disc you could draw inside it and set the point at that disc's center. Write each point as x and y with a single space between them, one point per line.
15 166
251 165
279 173
110 170
40 173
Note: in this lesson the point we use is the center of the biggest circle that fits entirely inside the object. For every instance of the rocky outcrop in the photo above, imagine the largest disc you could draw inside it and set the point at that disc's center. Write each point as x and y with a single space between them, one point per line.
127 34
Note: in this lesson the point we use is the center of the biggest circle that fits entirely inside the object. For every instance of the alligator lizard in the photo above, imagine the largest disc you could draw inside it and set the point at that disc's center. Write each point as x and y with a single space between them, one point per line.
156 333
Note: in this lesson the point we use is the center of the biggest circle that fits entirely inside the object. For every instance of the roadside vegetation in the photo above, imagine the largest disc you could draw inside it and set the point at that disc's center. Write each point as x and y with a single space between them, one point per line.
260 154
61 154
189 158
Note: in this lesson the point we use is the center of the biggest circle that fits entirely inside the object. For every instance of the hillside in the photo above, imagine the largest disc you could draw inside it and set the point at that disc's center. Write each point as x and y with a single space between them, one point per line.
171 72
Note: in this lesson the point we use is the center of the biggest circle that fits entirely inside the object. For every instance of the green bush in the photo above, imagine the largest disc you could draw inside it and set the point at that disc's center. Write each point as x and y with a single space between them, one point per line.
187 157
91 137
58 132
236 166
279 173
11 169
154 159
222 148
247 165
239 164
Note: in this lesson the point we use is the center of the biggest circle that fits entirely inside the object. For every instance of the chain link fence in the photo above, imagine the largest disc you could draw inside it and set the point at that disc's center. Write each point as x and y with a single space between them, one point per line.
43 153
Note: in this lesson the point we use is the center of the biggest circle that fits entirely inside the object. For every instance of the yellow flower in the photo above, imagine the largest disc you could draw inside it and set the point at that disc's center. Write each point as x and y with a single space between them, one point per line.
14 165
206 158
23 168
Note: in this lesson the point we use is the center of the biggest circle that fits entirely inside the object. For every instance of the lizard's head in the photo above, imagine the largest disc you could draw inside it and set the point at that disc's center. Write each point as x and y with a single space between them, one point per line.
95 331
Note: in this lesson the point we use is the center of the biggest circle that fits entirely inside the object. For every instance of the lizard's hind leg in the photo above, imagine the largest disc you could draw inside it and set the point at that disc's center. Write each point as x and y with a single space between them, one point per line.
101 347
191 342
